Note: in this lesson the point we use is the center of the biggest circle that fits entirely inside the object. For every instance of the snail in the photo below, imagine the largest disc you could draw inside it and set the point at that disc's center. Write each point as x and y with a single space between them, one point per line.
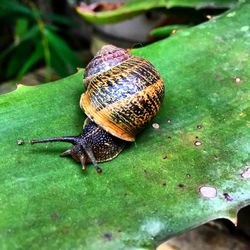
123 93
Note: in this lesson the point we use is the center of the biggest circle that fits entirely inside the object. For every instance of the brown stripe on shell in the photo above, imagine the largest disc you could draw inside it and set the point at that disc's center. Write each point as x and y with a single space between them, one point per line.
108 57
123 120
121 82
132 115
123 98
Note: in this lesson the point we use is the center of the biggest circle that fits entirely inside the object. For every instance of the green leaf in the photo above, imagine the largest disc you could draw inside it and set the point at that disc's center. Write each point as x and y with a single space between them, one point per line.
167 30
18 58
68 60
21 27
35 57
59 19
27 37
9 9
152 190
134 7
199 4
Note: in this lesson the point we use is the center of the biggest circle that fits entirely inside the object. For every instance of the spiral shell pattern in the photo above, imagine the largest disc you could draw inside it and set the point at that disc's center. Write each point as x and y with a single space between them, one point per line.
123 94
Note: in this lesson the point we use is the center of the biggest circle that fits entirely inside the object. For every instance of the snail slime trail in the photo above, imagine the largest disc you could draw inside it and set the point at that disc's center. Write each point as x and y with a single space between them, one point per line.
123 93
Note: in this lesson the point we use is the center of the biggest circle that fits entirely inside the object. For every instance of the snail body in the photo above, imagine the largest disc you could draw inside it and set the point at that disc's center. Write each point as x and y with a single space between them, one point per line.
123 93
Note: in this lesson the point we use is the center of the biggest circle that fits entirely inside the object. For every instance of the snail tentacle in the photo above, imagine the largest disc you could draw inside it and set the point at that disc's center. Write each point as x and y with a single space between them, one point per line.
91 157
66 153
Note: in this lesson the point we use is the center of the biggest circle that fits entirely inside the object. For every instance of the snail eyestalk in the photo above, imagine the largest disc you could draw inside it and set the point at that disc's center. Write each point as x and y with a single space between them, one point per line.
92 158
70 139
80 151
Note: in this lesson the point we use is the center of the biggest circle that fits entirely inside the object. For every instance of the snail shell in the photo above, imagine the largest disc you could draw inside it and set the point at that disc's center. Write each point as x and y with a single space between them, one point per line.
124 92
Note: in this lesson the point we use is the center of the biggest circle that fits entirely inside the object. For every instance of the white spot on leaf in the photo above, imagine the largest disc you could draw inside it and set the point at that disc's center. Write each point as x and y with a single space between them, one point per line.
244 28
246 173
152 227
155 125
208 192
237 80
197 143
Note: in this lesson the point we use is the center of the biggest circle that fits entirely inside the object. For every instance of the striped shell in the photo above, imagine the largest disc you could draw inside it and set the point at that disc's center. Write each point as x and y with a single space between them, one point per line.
124 92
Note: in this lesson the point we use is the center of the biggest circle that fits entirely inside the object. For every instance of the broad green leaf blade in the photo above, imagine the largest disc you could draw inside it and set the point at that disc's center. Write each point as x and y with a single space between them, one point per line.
156 187
134 7
165 31
198 4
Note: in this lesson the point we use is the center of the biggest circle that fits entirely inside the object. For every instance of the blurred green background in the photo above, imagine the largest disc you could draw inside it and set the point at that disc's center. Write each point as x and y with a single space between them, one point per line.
50 38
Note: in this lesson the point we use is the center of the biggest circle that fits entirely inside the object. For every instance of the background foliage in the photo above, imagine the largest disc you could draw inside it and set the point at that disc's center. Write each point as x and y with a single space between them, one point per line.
31 37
